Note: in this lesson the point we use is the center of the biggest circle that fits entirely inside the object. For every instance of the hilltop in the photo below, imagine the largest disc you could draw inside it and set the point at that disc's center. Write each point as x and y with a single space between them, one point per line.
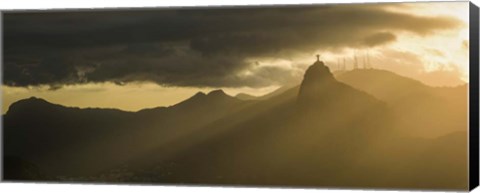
328 131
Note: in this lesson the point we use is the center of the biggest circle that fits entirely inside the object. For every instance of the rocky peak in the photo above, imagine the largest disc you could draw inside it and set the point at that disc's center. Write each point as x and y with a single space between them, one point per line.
316 78
217 93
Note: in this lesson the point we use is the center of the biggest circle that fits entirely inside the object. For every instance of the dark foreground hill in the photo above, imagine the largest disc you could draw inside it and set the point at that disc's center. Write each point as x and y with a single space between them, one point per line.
76 142
321 133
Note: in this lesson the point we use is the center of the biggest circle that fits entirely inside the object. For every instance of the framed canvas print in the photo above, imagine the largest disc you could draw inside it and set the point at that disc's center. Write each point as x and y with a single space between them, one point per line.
351 96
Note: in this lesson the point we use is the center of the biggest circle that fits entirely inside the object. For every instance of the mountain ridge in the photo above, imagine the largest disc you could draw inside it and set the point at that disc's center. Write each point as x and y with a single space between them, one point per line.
328 129
251 97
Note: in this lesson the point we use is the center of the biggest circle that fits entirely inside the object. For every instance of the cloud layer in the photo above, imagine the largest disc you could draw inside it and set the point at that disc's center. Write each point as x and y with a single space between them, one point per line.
191 47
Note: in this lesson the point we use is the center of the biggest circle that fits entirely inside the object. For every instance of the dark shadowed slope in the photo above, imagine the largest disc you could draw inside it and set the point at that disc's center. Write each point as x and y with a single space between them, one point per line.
282 144
52 135
421 110
330 135
321 133
66 141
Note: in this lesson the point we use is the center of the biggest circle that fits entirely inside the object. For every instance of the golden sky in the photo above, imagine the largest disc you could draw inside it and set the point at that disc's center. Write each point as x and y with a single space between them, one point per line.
435 57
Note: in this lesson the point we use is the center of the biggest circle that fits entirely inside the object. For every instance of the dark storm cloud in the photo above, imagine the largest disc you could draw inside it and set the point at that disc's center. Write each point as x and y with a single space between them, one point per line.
189 47
379 39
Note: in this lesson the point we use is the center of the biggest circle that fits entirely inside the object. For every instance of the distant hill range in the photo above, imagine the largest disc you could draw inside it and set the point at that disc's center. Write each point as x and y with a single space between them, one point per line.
362 128
422 110
278 91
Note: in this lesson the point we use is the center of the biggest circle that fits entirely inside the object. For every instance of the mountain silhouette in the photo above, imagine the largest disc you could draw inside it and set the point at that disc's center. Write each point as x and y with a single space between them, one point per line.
38 131
324 132
422 111
278 141
110 134
331 136
244 96
278 91
23 106
320 87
